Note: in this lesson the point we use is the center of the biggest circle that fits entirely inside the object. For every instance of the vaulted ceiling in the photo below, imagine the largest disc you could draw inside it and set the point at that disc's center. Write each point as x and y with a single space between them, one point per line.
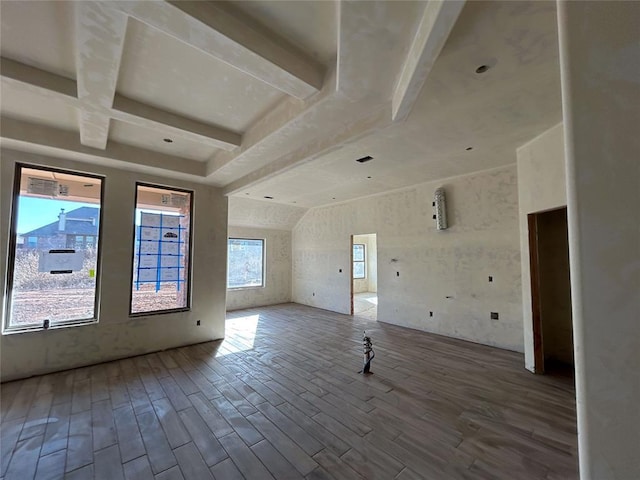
276 98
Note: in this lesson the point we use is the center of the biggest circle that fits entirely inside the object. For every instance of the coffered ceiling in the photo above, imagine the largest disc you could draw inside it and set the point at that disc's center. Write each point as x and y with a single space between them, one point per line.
276 98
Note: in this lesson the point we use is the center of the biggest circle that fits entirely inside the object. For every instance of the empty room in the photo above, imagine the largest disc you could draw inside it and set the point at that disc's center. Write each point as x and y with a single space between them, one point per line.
321 240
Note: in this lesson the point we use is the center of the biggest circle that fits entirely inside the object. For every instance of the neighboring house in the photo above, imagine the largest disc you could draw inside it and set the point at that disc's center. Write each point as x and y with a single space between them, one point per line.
77 229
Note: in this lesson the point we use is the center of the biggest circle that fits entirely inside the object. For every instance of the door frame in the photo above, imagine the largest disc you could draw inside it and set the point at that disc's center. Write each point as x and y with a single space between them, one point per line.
351 273
536 311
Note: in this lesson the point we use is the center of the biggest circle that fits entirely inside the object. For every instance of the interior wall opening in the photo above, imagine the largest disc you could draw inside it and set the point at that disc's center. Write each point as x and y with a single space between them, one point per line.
364 276
551 292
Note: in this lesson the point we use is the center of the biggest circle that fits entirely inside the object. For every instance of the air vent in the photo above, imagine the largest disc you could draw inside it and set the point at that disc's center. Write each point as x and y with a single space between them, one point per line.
42 186
364 159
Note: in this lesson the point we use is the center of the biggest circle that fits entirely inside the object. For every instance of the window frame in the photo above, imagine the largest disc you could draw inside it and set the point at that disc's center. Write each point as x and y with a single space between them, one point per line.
7 329
363 261
263 241
188 275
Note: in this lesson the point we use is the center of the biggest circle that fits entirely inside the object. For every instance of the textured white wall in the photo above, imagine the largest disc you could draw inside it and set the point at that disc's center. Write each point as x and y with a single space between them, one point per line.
600 72
116 335
483 240
277 284
372 264
541 186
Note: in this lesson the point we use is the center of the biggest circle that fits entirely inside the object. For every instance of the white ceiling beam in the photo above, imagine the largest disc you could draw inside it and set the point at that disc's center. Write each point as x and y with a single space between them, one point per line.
346 131
286 120
22 135
45 83
100 35
124 109
434 28
220 34
130 111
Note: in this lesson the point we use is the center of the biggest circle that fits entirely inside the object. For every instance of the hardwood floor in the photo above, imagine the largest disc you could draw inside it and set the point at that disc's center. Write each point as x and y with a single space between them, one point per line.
280 398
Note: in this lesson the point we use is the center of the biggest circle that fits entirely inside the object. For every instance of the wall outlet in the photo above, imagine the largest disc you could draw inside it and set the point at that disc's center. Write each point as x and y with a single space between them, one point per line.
197 323
313 294
397 274
490 278
494 315
431 314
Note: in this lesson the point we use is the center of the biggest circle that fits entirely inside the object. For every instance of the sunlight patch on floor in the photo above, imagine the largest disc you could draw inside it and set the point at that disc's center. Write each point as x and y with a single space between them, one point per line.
240 334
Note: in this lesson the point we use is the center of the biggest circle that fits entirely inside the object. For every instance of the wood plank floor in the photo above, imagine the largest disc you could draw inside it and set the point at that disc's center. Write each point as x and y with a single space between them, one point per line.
280 398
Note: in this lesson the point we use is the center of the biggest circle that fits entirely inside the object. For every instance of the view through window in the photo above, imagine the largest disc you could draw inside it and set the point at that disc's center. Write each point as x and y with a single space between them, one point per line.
359 270
54 257
161 257
245 263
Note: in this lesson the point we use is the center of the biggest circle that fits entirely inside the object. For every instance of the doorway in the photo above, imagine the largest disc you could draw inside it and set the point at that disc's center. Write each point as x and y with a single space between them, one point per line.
551 292
364 276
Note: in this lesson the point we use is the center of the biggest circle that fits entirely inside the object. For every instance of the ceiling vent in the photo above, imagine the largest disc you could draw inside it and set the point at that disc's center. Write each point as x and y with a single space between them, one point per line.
364 159
43 186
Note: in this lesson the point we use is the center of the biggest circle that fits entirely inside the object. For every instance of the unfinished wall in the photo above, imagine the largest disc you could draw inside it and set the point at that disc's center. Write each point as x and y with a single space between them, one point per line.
600 72
116 335
541 186
277 275
419 268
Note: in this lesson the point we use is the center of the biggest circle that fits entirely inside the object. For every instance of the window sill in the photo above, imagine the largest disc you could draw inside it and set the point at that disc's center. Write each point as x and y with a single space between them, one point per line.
158 312
32 329
252 287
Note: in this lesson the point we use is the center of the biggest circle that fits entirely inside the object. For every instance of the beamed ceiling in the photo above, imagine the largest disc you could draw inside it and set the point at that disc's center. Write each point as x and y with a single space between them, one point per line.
277 98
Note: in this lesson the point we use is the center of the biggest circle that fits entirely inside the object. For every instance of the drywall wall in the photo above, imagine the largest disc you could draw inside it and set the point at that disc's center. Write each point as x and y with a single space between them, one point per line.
372 263
277 275
421 269
247 212
555 287
117 335
600 72
541 186
369 283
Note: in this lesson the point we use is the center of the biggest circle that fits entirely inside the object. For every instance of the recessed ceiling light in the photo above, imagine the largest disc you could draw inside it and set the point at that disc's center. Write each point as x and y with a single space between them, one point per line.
268 197
482 68
168 140
364 159
468 148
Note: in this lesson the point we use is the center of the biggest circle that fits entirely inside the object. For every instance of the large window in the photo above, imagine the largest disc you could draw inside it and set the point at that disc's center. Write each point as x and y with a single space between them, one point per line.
245 263
161 260
52 276
359 261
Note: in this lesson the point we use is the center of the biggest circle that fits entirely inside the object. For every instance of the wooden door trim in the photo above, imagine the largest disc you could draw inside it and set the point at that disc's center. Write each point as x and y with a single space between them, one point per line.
534 268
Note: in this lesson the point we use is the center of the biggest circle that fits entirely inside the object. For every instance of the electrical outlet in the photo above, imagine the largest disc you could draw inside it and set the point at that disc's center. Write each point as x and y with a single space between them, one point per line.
197 323
313 294
397 274
431 314
494 315
490 278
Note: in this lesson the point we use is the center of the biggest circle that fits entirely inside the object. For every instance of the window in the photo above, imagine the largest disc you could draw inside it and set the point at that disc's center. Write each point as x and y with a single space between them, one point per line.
245 263
51 283
161 260
359 270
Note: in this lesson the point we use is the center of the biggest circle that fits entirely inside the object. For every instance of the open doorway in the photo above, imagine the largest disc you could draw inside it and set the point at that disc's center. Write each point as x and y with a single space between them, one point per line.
551 292
364 276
